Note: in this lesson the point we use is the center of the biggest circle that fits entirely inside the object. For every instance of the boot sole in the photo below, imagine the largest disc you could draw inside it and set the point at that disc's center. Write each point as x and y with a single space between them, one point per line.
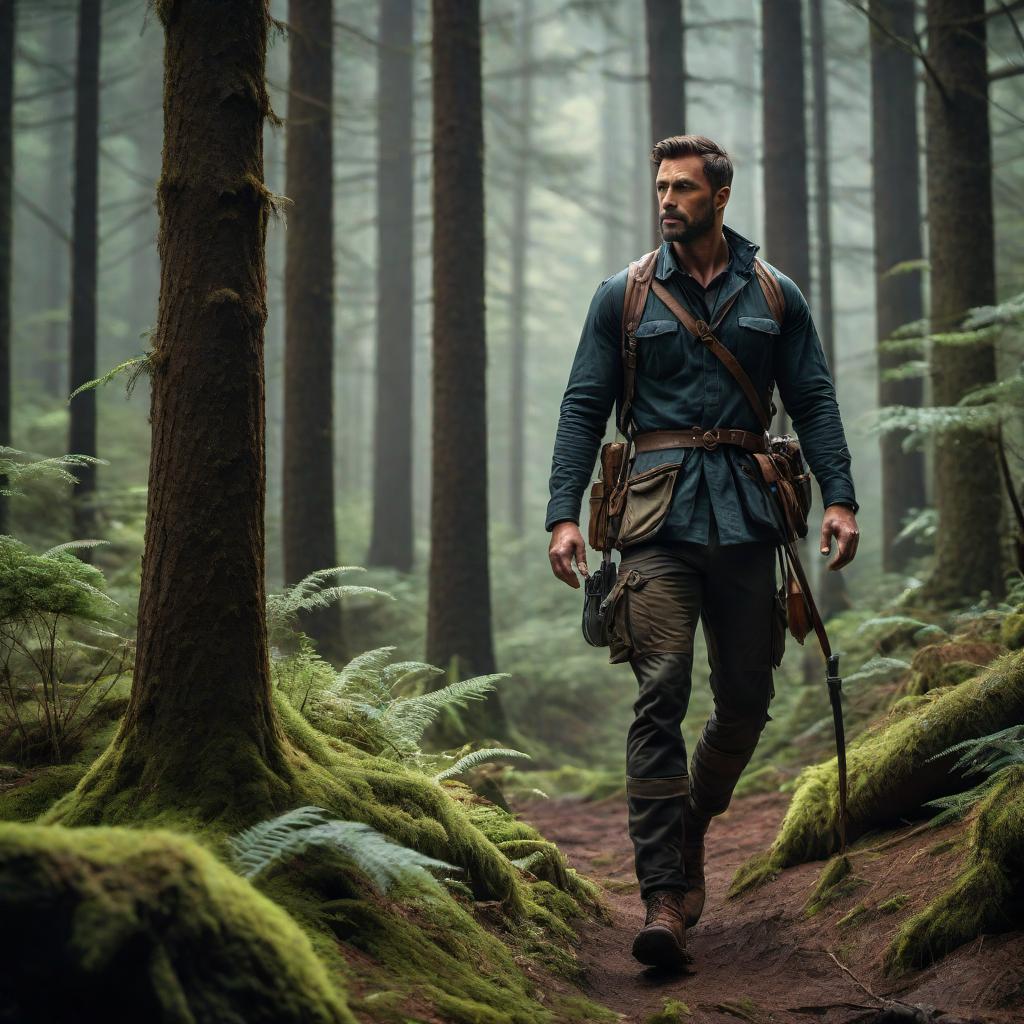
658 947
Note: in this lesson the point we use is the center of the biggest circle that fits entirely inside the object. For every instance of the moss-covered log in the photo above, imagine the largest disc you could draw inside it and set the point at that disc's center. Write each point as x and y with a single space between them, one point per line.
891 771
147 926
987 896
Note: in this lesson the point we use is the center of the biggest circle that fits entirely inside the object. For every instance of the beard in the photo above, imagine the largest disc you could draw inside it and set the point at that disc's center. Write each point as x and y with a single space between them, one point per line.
689 231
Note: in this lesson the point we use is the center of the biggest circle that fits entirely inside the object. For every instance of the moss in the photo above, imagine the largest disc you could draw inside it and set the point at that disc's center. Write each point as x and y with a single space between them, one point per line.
894 903
28 800
890 772
1012 630
857 916
673 1012
149 926
949 664
835 882
987 895
416 942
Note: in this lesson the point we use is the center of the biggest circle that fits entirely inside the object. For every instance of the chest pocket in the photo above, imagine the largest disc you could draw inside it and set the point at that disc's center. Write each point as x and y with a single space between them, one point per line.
762 324
660 347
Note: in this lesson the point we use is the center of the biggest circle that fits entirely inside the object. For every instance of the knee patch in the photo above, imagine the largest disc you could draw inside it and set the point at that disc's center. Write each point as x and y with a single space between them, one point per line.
658 789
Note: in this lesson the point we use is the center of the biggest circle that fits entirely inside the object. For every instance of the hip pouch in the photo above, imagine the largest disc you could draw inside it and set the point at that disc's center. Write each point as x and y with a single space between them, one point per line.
612 455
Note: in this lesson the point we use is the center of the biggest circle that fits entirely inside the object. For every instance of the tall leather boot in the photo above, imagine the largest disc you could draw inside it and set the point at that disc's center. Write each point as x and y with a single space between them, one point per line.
662 940
695 826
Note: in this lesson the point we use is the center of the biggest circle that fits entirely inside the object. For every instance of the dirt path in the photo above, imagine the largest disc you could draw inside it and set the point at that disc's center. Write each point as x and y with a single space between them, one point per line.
760 959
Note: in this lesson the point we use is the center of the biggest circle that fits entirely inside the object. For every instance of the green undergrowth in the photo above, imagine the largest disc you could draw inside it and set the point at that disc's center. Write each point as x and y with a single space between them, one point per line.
987 895
890 768
150 926
674 1011
464 947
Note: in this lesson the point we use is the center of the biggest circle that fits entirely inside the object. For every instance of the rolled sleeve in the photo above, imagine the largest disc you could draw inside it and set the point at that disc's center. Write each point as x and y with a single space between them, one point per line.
594 385
808 393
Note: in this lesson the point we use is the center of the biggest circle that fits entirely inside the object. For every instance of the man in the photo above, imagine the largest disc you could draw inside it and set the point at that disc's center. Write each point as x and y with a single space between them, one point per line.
712 556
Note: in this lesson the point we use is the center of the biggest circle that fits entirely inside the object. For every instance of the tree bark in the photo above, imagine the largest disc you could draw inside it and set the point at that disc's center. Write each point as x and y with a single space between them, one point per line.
897 215
307 521
391 542
786 234
54 357
84 241
666 70
517 313
6 228
832 585
962 259
200 726
459 605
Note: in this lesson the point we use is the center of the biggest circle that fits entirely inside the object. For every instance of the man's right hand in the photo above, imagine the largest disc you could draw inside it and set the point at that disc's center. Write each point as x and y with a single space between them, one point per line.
566 551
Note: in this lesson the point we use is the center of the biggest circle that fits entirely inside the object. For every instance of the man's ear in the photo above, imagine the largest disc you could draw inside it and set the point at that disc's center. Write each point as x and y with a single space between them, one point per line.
722 197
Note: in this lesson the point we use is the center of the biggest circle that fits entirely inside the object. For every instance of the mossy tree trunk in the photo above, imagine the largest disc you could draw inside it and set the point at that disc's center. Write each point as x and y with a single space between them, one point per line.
961 250
666 74
897 218
832 589
391 543
6 227
520 244
307 520
84 242
199 735
459 595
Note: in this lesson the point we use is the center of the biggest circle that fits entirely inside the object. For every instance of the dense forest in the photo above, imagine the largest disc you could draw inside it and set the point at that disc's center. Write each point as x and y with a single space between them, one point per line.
296 724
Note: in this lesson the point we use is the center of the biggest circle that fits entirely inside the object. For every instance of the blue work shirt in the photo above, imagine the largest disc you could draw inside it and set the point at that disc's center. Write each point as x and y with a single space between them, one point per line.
680 384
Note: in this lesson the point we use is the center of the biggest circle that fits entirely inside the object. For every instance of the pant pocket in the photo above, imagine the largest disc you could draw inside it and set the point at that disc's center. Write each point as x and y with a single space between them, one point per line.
617 617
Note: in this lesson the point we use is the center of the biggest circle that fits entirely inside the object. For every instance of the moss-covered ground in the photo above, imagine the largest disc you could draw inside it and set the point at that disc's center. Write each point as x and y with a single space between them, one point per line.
893 768
461 951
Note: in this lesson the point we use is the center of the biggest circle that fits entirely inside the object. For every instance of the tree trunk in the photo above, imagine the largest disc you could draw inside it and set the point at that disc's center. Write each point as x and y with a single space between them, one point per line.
391 543
82 433
307 520
832 585
200 736
54 357
643 192
520 242
962 258
786 236
6 228
459 606
666 70
897 212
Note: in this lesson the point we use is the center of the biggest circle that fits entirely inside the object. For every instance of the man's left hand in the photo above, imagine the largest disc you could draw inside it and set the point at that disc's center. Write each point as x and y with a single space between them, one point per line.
839 522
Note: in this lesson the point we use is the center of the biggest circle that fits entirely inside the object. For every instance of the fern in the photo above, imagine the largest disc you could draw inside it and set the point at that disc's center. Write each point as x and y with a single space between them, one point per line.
409 717
305 828
22 468
879 669
990 755
134 368
478 757
919 523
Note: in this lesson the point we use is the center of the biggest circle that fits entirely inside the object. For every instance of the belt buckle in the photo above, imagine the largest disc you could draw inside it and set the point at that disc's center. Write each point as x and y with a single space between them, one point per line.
709 441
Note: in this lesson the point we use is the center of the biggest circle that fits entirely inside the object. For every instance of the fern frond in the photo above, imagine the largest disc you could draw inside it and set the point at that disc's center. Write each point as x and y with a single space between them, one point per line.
408 717
73 545
478 757
134 367
290 834
910 370
879 668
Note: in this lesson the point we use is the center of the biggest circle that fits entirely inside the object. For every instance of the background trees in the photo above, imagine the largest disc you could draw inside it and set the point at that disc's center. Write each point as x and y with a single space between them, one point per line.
307 520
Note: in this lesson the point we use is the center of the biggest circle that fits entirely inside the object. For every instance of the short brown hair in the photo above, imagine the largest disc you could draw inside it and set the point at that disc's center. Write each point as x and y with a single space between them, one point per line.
717 165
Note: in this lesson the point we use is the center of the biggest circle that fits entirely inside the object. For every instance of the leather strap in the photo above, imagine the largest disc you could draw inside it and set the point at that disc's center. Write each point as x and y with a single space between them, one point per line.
698 437
771 288
638 284
705 334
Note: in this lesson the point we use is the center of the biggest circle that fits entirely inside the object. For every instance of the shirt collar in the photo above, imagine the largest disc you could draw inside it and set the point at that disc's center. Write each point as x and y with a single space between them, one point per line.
741 255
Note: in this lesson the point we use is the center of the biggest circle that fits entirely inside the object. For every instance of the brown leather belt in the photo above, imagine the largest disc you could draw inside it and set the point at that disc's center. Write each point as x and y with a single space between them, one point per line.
697 437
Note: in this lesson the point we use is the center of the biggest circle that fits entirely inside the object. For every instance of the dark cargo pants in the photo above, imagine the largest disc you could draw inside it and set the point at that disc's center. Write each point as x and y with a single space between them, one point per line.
731 588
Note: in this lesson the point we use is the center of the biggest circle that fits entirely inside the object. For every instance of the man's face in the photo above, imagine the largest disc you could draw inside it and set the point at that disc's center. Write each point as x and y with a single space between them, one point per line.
687 206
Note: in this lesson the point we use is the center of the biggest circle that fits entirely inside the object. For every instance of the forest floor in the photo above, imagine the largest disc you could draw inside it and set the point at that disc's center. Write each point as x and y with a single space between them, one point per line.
760 958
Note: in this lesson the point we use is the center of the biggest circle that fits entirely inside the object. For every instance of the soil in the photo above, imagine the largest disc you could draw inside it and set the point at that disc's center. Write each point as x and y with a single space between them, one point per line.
760 958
